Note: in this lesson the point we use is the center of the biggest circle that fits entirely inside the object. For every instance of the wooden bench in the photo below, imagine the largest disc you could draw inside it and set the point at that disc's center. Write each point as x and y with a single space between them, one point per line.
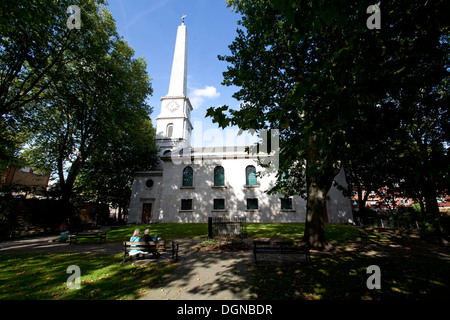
280 247
100 235
151 247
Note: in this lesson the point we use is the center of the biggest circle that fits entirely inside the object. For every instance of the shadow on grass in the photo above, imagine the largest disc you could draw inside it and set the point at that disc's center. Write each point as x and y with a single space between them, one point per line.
295 231
344 278
163 230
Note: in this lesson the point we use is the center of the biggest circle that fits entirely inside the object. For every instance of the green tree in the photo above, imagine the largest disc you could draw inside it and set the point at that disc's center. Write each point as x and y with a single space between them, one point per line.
108 174
33 39
89 99
376 168
424 151
314 71
414 145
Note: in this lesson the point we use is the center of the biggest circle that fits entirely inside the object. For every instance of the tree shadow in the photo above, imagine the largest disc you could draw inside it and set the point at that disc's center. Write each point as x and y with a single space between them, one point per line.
207 276
228 279
340 274
344 277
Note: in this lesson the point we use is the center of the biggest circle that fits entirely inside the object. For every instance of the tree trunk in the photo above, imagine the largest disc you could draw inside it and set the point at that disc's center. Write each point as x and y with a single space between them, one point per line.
431 204
66 184
119 214
362 200
314 227
319 181
422 207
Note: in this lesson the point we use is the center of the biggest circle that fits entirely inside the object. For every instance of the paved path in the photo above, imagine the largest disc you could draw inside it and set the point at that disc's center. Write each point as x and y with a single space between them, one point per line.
50 244
206 276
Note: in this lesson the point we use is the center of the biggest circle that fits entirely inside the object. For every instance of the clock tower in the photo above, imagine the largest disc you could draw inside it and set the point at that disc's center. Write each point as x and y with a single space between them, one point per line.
173 125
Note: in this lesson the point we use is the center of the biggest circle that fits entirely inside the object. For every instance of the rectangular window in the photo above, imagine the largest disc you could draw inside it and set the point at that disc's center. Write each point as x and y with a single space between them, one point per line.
252 204
286 203
186 204
219 204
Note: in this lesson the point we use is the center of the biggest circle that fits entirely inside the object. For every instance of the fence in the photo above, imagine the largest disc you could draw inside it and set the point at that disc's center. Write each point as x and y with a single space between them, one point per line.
219 226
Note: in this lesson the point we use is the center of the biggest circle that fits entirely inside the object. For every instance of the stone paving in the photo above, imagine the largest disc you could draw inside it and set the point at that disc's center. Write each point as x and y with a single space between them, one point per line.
206 276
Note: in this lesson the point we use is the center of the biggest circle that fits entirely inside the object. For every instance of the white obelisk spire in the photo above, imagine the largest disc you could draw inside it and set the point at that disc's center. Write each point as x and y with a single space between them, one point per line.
173 125
178 78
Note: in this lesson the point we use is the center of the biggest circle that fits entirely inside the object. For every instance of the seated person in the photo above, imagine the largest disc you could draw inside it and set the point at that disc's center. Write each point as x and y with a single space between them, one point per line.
146 236
136 238
64 232
63 227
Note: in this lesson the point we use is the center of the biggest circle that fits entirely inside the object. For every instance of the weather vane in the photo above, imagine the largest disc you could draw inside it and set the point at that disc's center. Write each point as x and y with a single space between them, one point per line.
182 18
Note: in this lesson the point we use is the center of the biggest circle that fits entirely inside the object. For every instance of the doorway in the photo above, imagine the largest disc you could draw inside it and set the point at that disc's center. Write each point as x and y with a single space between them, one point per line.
146 212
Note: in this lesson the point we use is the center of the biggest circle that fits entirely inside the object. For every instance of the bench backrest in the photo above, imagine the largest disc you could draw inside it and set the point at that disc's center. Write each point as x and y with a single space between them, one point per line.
278 244
273 242
94 233
139 243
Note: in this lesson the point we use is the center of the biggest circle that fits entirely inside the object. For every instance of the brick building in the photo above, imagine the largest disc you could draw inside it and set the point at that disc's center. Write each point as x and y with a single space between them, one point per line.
24 180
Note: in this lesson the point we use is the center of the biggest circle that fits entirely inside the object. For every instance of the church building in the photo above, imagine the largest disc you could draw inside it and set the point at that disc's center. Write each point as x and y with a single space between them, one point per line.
191 184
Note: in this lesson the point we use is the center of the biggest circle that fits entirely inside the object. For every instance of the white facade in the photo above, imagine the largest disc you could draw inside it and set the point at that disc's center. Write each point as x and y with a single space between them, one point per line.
160 196
167 192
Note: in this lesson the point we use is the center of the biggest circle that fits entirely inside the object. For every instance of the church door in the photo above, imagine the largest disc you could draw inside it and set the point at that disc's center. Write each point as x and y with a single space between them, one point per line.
146 212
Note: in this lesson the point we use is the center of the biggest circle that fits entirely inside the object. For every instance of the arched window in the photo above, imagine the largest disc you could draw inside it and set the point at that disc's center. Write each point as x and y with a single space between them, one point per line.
219 176
250 176
188 177
169 131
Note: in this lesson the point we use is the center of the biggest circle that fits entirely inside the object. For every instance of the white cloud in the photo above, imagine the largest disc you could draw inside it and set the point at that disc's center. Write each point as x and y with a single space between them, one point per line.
208 91
198 96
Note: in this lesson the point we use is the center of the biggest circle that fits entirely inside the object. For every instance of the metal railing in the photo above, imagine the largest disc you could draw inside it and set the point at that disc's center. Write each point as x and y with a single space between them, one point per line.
227 227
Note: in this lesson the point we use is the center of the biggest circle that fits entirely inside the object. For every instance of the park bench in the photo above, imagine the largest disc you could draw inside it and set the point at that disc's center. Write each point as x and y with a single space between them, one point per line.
100 235
281 248
151 247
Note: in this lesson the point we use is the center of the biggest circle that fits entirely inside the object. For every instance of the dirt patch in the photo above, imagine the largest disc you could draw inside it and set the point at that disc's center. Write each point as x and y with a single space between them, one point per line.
223 245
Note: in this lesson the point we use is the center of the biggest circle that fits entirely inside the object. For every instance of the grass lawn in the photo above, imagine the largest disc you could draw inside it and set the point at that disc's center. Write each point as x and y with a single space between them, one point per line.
163 230
44 277
293 231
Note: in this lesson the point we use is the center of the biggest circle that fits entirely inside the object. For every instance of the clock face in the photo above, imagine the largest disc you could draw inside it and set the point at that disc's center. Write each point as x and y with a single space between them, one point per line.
172 106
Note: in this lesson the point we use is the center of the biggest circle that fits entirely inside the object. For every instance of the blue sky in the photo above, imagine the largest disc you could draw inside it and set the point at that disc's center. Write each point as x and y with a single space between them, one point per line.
150 27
